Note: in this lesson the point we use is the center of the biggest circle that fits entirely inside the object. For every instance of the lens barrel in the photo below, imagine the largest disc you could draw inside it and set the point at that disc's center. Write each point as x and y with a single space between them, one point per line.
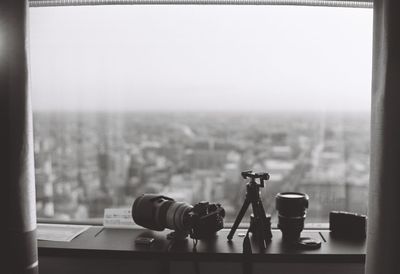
292 208
158 212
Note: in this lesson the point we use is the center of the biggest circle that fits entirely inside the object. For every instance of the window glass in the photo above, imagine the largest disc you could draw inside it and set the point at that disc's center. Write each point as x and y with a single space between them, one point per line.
179 100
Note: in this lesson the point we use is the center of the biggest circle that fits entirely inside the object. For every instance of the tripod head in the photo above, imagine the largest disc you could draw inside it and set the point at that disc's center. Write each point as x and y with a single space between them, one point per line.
255 175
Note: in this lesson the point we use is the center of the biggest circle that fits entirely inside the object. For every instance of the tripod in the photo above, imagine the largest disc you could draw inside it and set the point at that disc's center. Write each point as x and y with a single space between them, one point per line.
253 197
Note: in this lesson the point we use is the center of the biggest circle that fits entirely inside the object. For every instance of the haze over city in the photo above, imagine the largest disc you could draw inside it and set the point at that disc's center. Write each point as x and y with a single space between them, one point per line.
201 58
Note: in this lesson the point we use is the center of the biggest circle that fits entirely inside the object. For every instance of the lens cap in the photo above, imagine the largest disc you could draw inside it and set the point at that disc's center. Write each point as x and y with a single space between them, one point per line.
308 243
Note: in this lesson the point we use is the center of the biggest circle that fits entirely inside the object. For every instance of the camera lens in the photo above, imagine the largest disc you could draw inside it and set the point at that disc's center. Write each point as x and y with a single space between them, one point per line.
291 207
158 212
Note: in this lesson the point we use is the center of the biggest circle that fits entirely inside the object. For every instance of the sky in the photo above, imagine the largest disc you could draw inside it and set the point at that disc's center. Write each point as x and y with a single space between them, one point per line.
200 58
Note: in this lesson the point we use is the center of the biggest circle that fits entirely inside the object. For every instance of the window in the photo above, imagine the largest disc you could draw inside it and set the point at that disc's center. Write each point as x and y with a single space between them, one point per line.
180 99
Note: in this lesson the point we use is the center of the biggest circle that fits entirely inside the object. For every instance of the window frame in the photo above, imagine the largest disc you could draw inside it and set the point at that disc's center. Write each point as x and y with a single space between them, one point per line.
322 3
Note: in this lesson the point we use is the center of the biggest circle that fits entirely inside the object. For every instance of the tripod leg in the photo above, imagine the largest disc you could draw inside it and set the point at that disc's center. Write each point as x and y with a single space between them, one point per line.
238 218
259 228
266 233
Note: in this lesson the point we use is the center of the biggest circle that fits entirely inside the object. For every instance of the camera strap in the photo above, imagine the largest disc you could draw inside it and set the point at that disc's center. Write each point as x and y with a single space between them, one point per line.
195 261
247 252
165 262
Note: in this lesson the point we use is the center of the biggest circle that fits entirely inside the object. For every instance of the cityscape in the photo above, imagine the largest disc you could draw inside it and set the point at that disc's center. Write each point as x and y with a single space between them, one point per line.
88 161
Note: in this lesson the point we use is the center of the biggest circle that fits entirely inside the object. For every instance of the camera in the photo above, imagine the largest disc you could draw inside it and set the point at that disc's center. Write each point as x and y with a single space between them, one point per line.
157 212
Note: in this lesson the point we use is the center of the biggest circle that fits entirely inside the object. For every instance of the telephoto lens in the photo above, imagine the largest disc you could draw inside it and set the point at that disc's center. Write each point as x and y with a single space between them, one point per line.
292 208
158 212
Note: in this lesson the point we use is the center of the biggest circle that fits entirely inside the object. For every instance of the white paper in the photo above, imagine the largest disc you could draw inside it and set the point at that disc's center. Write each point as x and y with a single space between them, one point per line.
118 218
59 232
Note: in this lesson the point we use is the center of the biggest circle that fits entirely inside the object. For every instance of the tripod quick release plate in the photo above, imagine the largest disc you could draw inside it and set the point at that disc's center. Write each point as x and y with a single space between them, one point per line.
263 176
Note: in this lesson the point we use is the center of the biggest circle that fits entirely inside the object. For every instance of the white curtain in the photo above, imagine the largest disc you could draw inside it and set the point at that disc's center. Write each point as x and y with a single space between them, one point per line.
383 240
17 185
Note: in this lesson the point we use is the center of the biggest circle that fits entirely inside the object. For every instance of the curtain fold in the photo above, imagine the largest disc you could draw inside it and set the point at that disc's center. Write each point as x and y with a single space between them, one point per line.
383 240
17 192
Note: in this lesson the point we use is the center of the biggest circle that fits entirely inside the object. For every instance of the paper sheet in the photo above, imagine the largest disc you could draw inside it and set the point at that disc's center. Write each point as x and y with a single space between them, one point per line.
118 218
59 232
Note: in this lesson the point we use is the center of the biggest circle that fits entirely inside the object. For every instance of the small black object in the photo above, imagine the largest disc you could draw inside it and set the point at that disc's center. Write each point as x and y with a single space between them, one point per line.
348 225
158 212
260 223
292 208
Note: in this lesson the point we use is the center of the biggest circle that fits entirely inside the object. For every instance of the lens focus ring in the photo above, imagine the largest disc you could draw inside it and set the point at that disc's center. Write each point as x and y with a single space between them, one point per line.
174 218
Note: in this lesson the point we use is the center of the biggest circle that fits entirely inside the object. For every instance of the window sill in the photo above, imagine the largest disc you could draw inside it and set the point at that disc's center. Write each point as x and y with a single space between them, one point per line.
99 242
